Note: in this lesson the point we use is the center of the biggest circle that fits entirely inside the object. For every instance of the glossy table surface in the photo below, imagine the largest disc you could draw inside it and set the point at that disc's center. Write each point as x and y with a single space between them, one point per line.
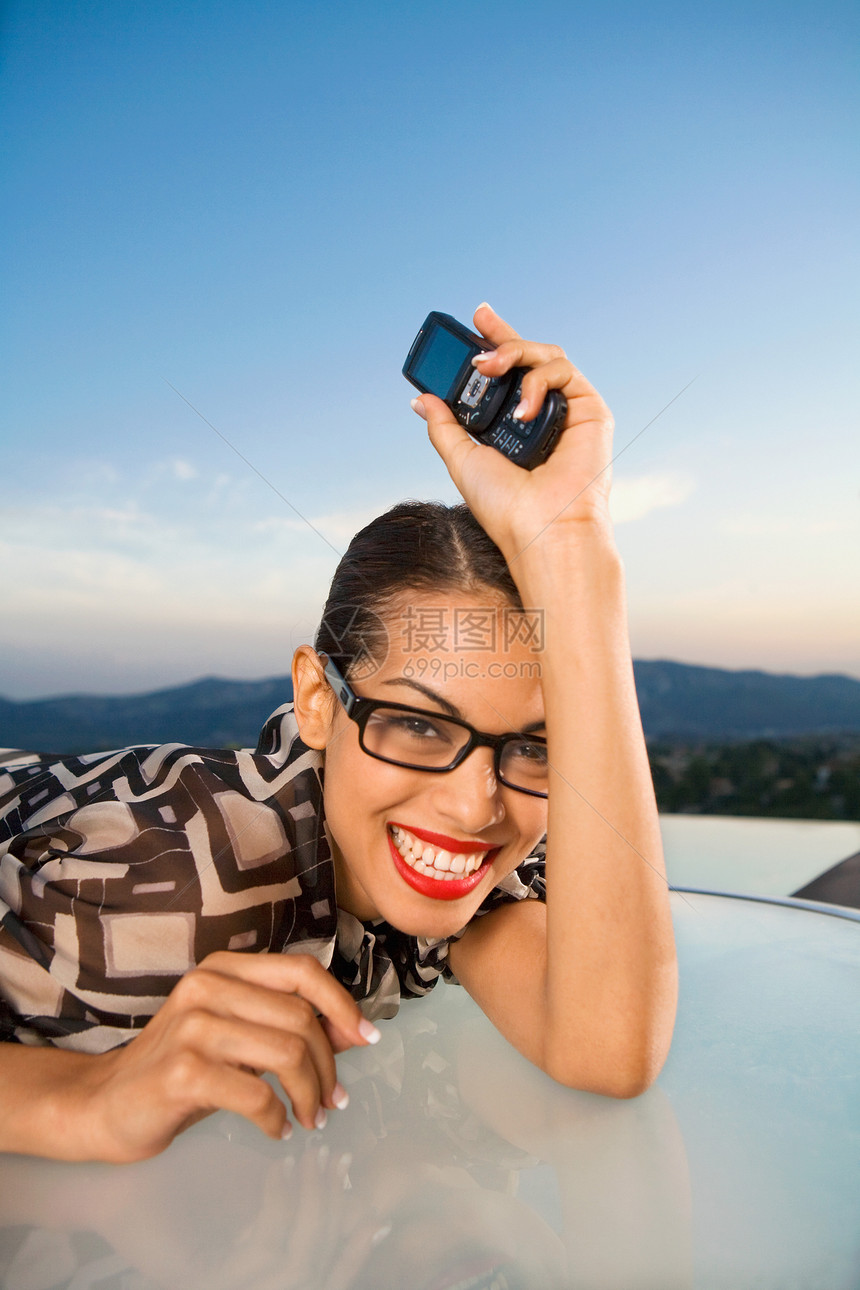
769 857
458 1166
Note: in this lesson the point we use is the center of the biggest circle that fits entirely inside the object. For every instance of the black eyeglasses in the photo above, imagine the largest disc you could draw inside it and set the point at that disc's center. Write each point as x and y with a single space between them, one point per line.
421 740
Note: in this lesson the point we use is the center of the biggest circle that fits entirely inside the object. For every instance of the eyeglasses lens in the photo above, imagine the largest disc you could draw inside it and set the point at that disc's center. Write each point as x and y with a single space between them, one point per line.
416 740
413 739
524 765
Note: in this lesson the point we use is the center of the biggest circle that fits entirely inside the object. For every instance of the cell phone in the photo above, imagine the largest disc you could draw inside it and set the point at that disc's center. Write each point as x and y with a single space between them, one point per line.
440 362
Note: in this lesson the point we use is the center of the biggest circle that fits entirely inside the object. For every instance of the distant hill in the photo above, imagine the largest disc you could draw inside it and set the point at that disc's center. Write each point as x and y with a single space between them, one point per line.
211 713
678 701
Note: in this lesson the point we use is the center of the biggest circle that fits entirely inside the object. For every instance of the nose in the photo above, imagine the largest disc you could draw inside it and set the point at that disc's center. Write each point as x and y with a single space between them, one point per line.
470 795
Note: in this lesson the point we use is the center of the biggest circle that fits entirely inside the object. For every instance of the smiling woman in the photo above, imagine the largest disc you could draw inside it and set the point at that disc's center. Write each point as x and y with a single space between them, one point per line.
460 788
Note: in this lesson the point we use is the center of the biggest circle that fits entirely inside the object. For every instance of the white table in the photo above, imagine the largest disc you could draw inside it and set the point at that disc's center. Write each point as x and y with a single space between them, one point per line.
457 1164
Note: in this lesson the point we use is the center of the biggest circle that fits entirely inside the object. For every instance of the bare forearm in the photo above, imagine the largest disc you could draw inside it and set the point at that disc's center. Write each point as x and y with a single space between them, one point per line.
610 976
42 1102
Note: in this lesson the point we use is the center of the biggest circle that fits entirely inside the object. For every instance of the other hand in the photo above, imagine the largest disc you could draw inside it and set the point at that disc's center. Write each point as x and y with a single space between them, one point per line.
224 1024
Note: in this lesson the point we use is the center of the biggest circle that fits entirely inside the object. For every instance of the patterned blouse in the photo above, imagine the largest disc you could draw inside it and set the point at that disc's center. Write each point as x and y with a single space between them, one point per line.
120 871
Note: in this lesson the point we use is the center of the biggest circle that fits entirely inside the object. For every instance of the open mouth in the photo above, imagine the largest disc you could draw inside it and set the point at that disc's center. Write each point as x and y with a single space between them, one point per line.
434 870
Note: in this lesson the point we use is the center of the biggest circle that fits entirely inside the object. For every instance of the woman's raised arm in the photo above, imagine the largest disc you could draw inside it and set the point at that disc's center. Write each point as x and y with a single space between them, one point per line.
587 988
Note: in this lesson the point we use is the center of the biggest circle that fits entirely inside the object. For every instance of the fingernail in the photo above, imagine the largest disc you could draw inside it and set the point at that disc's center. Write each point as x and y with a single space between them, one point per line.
340 1097
485 305
482 358
368 1031
518 412
380 1234
418 406
286 1131
320 1119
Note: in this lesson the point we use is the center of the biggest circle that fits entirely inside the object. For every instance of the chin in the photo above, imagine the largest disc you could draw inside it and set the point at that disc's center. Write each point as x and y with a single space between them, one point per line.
432 924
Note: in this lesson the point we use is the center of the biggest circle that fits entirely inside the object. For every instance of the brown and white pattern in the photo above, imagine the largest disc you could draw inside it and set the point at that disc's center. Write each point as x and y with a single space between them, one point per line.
120 871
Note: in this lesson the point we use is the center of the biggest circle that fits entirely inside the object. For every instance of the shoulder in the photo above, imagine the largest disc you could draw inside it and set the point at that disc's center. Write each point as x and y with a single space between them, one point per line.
36 788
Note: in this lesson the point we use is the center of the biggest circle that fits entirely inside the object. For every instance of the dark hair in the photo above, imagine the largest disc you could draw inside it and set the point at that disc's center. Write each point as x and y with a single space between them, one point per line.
415 546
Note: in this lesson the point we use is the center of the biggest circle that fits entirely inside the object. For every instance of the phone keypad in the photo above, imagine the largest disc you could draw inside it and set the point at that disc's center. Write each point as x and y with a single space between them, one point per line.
510 444
509 423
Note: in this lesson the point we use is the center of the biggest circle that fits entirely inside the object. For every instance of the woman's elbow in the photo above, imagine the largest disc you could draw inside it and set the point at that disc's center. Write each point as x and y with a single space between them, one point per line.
621 1077
620 1058
629 1085
622 1085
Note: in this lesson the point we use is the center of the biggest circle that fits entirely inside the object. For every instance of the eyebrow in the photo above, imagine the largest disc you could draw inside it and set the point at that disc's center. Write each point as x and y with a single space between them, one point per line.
453 711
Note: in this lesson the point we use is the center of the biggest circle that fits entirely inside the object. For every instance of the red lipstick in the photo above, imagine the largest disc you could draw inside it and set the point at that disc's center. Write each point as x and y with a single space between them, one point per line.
454 845
440 888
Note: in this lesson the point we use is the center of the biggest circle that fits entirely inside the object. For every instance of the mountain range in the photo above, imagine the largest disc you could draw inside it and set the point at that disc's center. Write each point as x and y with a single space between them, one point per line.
678 701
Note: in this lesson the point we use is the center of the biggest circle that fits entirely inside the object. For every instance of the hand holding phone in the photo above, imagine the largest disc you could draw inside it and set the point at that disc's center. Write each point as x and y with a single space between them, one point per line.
440 362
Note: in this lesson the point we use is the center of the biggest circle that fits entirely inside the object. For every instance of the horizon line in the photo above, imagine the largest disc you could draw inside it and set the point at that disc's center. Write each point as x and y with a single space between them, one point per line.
262 680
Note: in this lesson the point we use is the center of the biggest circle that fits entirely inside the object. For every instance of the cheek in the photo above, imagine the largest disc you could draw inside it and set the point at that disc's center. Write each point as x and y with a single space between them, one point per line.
533 824
361 786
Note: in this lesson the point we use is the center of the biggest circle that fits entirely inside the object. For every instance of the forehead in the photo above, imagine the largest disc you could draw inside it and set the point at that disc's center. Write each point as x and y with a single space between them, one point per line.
456 622
473 649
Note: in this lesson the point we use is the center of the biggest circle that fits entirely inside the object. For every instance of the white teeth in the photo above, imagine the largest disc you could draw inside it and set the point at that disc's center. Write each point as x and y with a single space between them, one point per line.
442 865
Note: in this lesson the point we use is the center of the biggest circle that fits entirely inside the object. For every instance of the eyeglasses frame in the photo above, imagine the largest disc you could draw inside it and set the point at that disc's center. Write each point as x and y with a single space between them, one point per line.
360 711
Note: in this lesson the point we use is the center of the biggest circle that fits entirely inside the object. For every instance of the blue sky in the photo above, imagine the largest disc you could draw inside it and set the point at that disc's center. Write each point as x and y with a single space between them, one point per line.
259 202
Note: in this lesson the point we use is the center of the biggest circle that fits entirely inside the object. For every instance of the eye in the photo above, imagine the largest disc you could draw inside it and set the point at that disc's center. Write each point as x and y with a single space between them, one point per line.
415 725
527 750
412 727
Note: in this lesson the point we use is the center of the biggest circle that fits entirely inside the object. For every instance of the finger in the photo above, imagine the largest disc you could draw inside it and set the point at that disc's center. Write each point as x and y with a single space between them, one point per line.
442 426
208 1086
294 1212
252 1259
353 1254
584 403
205 993
338 1040
302 1067
298 974
316 1216
489 324
455 446
524 353
250 1003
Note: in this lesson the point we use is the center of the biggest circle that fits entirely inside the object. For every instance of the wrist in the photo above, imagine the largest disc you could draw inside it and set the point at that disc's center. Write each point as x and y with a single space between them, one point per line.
85 1108
564 560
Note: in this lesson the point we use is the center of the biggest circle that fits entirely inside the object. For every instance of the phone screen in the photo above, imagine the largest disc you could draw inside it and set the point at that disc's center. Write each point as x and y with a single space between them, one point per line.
441 358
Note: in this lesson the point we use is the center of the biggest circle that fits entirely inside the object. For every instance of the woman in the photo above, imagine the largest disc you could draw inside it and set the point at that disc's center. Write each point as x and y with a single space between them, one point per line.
137 883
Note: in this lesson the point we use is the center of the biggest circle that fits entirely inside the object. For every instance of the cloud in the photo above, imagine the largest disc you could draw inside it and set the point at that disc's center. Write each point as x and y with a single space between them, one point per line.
117 563
337 526
216 493
633 499
183 469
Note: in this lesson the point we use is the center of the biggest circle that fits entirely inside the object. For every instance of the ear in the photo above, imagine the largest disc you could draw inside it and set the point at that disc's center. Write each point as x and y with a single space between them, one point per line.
314 702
